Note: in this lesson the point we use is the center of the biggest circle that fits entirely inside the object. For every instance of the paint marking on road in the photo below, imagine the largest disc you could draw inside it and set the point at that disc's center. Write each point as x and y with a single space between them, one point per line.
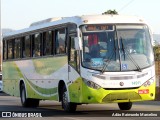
72 118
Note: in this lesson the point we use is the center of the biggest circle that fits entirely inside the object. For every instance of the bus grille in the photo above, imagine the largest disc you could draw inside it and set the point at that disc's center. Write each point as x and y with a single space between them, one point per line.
121 96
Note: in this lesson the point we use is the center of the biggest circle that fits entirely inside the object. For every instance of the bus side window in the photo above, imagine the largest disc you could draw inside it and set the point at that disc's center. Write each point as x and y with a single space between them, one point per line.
36 45
23 47
48 42
27 47
72 53
17 48
10 47
4 50
61 41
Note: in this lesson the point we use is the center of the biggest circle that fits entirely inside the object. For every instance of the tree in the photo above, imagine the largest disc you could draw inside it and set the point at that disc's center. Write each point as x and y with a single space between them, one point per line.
156 50
113 12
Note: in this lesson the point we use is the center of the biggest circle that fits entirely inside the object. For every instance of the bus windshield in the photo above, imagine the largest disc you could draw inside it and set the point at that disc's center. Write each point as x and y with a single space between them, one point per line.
122 47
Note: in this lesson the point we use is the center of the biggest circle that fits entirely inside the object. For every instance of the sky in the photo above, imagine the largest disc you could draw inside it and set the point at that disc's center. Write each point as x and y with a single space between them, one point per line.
19 14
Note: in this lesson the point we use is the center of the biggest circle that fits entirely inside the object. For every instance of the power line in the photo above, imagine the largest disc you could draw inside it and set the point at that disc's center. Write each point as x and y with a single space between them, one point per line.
126 5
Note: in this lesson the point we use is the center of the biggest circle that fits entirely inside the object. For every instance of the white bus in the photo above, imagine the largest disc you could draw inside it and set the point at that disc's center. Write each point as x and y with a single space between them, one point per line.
80 60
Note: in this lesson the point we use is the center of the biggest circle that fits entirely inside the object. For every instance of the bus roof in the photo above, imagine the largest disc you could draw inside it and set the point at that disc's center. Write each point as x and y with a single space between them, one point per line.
79 20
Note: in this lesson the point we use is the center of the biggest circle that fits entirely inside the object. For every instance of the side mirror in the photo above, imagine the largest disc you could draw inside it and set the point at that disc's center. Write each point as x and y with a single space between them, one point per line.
77 43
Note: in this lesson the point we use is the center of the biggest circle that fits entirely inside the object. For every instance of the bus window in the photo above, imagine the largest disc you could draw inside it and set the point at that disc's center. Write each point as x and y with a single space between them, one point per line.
10 49
72 53
73 56
36 45
23 47
61 41
27 52
4 51
47 43
17 48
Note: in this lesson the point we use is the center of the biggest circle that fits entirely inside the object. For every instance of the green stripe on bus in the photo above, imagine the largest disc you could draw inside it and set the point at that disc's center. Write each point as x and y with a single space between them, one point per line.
46 91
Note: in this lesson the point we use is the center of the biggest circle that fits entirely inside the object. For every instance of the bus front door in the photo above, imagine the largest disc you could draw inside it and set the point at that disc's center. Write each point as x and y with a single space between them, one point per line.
73 68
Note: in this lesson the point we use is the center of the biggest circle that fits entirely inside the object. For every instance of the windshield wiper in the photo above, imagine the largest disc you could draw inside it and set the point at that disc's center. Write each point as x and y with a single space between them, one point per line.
108 61
129 56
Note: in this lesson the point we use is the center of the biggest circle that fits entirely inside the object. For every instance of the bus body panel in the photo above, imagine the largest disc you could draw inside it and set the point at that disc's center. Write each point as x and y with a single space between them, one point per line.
40 77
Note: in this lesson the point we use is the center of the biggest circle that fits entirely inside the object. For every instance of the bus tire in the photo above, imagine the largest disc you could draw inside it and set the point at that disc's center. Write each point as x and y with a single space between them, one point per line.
27 102
67 106
125 106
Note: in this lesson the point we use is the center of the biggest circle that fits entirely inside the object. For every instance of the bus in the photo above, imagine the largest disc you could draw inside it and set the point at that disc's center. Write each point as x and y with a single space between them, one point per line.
89 59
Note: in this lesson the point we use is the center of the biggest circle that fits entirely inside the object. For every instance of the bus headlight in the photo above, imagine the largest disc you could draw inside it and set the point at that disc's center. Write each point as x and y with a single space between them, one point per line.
148 82
91 84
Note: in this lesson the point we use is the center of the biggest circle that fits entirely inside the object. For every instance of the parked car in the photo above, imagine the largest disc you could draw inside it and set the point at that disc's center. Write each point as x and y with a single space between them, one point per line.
1 83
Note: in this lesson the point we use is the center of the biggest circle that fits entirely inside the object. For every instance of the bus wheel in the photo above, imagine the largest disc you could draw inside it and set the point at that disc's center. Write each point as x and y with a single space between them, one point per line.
125 106
67 106
27 102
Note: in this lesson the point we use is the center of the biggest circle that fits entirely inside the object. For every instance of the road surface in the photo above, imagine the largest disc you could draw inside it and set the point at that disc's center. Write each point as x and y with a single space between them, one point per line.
11 106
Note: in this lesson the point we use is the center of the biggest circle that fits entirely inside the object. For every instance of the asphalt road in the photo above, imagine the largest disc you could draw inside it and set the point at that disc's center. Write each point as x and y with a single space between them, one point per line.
52 110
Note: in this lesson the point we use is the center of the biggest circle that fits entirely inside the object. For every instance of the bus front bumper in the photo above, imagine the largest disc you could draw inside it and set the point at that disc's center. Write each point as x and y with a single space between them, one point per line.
102 95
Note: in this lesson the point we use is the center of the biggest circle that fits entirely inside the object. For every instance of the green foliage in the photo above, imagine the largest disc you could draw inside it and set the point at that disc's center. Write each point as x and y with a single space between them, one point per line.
156 50
112 12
